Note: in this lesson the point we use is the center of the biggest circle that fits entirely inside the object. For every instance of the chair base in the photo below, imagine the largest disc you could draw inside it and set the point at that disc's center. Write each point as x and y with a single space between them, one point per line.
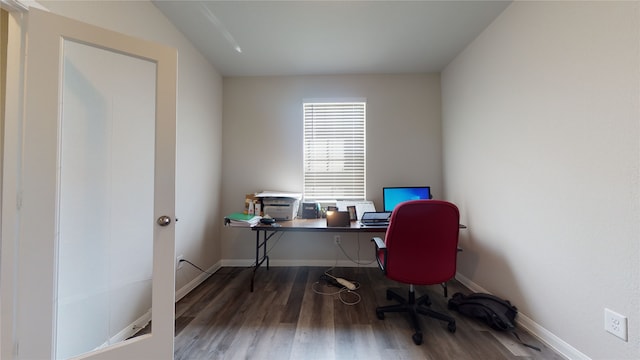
413 307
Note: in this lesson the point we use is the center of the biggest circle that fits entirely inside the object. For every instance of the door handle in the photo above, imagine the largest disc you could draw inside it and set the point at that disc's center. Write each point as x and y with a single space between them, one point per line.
164 220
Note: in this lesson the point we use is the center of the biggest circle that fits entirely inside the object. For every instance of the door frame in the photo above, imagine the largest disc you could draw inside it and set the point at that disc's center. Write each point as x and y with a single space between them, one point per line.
14 114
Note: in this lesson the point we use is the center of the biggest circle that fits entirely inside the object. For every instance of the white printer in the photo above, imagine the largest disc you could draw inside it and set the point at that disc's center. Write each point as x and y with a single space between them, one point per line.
280 205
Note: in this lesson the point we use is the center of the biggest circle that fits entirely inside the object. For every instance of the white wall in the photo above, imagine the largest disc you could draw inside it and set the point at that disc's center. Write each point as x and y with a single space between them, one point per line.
262 148
541 153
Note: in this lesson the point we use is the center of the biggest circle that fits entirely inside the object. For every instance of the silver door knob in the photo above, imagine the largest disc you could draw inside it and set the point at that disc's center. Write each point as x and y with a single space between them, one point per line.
164 220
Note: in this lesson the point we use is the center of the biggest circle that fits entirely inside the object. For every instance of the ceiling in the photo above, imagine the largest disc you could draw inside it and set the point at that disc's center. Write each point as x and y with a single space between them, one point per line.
267 38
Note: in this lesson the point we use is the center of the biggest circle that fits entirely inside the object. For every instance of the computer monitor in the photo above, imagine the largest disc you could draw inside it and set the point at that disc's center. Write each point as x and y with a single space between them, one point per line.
392 196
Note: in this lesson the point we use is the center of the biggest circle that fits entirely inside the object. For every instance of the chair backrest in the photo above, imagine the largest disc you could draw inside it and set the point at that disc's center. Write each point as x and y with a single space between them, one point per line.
422 242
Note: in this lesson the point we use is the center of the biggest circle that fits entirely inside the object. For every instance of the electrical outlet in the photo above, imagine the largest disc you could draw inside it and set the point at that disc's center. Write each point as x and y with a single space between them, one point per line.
337 239
615 324
179 263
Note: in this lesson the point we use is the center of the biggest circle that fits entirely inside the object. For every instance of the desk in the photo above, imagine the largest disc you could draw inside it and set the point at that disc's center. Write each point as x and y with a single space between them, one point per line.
303 225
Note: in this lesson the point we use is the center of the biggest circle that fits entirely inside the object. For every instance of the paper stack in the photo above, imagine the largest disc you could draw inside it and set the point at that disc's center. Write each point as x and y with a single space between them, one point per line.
242 220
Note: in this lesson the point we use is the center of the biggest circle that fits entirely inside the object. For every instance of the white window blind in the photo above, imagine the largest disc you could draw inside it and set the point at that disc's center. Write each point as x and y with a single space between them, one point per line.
334 151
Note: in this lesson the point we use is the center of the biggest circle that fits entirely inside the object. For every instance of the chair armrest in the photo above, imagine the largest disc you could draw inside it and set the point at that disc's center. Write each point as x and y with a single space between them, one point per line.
381 249
379 243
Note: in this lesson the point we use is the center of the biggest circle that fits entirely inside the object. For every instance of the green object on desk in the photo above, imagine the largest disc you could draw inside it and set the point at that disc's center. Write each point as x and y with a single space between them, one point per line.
241 220
240 216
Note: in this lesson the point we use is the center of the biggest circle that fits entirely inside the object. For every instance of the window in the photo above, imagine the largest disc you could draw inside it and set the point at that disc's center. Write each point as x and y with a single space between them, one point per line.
334 150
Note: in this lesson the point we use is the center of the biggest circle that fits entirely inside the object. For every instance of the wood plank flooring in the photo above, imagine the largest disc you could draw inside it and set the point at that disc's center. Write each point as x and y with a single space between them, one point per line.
284 318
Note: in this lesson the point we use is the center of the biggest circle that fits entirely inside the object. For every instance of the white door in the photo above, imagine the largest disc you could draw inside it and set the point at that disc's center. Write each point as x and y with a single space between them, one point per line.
96 219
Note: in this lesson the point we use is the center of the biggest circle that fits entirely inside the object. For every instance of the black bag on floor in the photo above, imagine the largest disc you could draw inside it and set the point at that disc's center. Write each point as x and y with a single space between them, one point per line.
498 313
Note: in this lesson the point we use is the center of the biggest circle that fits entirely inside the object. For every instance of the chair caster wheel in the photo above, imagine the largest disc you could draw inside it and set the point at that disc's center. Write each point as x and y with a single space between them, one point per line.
417 338
452 327
380 315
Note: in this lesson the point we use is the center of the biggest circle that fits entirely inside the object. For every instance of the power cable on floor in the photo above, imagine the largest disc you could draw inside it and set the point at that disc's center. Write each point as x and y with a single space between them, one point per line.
346 289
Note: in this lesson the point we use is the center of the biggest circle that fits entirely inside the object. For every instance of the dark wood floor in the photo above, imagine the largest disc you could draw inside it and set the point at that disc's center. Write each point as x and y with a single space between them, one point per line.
285 319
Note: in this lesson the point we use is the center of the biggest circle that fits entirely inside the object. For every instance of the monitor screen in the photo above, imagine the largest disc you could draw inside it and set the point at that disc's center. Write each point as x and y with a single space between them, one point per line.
392 196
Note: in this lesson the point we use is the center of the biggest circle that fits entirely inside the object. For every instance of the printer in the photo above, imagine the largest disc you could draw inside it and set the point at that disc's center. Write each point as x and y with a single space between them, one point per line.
279 205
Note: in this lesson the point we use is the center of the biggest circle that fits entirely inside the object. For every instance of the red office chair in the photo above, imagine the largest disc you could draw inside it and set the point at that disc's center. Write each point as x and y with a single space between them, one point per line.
420 248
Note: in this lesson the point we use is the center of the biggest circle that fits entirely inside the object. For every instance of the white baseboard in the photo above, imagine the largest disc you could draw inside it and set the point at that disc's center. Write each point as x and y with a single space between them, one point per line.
279 263
532 327
129 331
180 293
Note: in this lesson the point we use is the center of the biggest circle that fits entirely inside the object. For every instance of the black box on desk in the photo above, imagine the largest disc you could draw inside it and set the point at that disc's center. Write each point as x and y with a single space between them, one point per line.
338 219
310 210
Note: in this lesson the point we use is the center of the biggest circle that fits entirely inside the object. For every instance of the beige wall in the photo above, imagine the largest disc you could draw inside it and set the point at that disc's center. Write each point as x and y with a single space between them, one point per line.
541 152
262 147
4 21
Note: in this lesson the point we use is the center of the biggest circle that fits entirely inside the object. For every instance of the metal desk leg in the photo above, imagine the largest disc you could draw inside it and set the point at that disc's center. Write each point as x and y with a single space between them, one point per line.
260 260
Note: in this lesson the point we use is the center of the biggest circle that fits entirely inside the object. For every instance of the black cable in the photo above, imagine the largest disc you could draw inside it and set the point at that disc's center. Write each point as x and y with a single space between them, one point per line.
357 262
195 266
